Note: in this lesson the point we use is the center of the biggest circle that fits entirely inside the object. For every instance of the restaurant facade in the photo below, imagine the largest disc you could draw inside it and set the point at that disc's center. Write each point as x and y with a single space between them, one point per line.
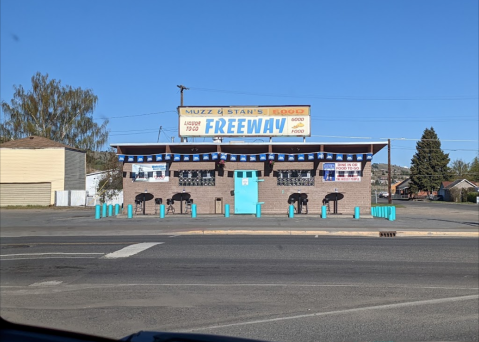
243 175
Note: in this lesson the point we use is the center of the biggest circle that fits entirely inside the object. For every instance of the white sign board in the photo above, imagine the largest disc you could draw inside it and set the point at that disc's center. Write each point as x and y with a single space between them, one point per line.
151 172
342 172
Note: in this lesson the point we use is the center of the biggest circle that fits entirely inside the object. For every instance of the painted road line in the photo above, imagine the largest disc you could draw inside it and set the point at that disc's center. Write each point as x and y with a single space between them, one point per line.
131 250
55 257
47 283
53 253
341 312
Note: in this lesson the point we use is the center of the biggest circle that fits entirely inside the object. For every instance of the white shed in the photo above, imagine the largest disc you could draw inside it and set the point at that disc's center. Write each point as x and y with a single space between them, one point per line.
92 180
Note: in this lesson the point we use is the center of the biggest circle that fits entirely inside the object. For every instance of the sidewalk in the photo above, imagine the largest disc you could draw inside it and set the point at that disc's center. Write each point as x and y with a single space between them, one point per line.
83 223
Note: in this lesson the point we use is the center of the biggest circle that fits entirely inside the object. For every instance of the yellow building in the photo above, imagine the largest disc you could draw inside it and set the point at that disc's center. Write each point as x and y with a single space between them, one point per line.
33 168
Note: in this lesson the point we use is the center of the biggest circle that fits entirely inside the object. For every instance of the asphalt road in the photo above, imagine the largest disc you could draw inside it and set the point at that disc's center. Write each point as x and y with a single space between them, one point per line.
281 288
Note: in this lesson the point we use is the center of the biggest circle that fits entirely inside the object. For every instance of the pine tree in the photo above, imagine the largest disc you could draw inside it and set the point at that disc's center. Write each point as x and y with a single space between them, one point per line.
429 163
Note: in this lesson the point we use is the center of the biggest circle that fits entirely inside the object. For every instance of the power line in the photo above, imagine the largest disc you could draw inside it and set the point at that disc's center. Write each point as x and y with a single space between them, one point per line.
353 98
338 136
448 140
134 115
435 149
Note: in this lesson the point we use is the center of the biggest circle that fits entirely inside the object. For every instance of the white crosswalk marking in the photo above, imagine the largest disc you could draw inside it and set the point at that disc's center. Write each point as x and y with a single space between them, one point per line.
131 250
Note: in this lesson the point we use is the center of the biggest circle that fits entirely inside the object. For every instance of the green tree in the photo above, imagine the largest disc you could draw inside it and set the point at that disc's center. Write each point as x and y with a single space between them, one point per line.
429 163
459 169
474 170
112 183
51 110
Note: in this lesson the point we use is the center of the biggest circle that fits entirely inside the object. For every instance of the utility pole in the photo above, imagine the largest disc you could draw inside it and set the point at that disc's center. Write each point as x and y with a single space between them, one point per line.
390 200
158 140
182 88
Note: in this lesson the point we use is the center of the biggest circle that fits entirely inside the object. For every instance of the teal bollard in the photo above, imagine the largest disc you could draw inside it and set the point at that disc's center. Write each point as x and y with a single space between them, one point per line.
227 210
291 211
104 212
381 212
258 210
110 210
323 212
372 211
117 209
193 210
162 211
97 212
130 211
356 213
392 214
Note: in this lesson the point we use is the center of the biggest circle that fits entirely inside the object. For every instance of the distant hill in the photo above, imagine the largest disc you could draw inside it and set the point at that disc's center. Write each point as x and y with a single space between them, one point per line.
379 175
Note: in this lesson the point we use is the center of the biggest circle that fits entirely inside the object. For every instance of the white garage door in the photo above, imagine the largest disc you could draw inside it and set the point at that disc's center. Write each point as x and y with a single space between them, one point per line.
25 194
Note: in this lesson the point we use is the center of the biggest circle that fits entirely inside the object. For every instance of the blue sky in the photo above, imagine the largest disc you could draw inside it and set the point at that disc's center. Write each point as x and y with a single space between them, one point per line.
371 69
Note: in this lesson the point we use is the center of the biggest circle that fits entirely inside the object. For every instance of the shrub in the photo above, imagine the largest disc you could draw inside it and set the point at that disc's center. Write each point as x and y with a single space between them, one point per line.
471 196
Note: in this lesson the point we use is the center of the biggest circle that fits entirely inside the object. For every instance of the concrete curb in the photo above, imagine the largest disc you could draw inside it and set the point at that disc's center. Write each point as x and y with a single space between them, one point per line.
329 233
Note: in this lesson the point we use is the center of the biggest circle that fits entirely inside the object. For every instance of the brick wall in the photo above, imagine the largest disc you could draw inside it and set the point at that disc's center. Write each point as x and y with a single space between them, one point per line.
275 197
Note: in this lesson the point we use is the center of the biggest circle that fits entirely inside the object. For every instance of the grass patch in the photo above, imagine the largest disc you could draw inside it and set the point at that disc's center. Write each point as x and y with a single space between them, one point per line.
45 207
447 203
27 207
387 205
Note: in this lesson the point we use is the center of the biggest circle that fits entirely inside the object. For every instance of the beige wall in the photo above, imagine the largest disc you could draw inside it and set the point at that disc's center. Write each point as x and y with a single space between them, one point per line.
32 166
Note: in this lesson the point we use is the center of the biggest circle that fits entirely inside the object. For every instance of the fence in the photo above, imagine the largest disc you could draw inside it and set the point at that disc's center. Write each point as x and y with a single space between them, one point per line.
77 198
70 198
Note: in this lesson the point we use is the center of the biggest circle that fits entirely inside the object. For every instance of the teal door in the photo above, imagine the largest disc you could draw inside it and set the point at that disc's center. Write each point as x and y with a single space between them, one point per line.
246 191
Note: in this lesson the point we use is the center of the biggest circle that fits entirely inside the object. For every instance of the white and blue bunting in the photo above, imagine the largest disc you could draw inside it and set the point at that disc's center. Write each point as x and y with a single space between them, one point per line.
244 157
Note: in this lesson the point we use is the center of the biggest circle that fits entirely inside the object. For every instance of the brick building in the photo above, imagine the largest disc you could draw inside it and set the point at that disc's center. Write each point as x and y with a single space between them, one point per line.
244 174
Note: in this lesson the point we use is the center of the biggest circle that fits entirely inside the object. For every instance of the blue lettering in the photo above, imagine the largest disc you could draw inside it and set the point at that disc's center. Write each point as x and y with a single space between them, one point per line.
220 125
230 111
241 126
209 112
250 111
231 126
188 111
209 125
254 126
280 124
268 126
260 111
242 111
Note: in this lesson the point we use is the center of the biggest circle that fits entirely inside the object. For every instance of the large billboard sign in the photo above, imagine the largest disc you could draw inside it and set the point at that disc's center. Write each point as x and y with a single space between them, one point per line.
259 121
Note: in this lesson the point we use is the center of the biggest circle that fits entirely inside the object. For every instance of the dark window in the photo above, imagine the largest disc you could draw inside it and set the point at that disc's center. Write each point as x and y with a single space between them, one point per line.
132 174
159 173
150 174
240 174
196 178
249 174
141 175
295 177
